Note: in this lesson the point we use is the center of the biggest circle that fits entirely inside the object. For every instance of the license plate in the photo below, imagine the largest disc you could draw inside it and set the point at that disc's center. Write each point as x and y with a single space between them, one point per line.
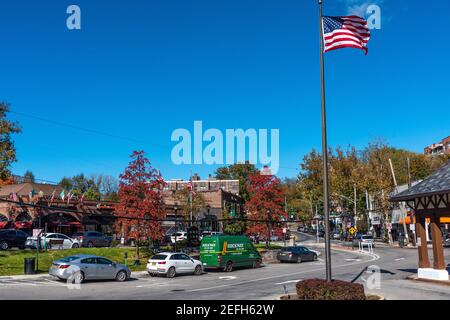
153 263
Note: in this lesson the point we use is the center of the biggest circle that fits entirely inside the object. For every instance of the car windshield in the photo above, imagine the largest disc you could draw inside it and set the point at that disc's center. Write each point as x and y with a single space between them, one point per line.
288 249
159 257
68 259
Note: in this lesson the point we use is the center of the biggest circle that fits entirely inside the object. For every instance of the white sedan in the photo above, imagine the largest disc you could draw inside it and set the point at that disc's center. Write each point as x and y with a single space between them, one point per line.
53 241
171 264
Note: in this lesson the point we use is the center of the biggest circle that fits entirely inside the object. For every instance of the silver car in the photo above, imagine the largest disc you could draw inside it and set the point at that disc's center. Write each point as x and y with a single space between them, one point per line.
88 267
51 239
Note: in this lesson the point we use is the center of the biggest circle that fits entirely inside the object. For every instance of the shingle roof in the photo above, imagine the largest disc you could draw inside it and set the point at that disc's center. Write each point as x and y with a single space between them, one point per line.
436 183
23 189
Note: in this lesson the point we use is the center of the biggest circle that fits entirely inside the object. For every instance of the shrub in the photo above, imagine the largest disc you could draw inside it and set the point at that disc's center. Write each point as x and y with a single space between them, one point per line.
319 289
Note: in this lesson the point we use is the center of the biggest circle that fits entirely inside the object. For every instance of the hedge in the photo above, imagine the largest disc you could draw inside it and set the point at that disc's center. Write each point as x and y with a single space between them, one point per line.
319 289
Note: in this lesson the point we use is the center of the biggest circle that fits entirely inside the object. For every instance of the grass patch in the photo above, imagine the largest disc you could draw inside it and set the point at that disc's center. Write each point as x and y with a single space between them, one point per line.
11 262
262 247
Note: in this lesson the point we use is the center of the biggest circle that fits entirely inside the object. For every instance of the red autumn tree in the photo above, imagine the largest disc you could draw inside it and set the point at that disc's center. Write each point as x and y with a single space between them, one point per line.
140 204
265 205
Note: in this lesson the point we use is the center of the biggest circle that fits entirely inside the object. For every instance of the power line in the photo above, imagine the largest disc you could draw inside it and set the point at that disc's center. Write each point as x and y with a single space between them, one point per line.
89 130
40 206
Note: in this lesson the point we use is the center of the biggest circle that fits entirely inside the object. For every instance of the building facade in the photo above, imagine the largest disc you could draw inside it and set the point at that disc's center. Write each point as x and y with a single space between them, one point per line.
29 206
439 148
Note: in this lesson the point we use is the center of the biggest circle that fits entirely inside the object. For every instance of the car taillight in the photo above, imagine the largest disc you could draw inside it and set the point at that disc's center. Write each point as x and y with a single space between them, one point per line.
64 266
162 262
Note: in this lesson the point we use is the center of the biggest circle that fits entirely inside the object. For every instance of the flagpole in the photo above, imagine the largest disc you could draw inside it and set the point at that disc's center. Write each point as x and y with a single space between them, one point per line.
324 154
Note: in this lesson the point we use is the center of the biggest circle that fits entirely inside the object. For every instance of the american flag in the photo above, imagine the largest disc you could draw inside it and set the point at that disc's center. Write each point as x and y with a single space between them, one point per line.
345 32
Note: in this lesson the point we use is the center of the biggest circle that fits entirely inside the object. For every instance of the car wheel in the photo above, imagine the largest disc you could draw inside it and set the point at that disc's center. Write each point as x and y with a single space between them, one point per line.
299 260
257 264
75 246
152 274
4 245
228 267
121 276
90 244
198 270
171 272
315 257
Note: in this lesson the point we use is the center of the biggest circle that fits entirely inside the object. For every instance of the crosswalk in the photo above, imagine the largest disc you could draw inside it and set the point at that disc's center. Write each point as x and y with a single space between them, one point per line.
44 282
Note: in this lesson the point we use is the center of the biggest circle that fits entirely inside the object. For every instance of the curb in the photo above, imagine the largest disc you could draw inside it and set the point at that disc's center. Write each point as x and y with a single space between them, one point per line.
134 274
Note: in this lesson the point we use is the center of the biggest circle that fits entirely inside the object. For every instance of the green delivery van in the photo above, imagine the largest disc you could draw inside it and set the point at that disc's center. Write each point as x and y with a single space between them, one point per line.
226 252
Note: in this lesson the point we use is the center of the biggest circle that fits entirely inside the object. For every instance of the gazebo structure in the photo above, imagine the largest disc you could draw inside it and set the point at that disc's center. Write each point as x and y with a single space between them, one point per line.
430 199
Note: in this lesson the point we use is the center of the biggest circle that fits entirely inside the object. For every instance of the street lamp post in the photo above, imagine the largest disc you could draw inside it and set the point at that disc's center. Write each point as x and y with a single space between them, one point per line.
175 209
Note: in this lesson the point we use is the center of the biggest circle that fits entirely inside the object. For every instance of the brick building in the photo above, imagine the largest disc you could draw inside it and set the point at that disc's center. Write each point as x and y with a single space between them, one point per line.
219 195
65 216
442 147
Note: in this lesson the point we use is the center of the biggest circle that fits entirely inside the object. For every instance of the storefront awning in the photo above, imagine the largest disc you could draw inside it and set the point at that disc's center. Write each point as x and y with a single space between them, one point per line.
65 224
23 224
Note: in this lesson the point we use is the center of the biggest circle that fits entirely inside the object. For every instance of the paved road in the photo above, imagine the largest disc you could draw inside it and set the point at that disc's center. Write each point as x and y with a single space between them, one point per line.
267 282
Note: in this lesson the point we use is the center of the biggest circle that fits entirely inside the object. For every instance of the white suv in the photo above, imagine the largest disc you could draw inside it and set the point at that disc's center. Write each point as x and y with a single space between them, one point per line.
179 236
171 264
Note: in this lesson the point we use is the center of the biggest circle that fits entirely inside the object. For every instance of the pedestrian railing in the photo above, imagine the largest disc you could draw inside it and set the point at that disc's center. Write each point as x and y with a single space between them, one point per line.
369 246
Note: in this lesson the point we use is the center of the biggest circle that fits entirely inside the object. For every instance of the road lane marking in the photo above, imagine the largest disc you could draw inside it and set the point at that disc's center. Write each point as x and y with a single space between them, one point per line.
351 260
374 257
399 259
289 281
227 278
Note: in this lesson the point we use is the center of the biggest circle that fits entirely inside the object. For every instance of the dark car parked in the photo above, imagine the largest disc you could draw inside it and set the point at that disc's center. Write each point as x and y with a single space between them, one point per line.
296 254
92 239
12 238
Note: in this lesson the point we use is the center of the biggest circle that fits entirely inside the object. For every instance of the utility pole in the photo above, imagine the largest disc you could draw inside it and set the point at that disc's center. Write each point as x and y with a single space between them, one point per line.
368 211
405 230
317 226
354 205
324 154
409 172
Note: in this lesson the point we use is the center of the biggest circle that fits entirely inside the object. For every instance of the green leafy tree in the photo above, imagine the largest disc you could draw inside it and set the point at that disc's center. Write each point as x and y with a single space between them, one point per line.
28 176
238 171
183 198
7 147
233 227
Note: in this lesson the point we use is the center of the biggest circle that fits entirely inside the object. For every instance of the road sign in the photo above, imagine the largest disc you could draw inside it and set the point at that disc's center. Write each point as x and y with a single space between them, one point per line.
352 230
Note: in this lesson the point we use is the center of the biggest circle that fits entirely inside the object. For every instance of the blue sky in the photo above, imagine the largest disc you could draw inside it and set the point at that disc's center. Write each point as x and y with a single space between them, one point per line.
140 69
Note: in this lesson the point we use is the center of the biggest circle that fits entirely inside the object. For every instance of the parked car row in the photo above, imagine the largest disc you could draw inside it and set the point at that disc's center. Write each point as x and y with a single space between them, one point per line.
220 252
10 238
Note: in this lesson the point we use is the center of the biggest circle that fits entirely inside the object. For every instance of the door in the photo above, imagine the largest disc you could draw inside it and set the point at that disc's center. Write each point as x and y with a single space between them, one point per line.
187 264
11 238
105 269
21 238
67 244
176 261
89 267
